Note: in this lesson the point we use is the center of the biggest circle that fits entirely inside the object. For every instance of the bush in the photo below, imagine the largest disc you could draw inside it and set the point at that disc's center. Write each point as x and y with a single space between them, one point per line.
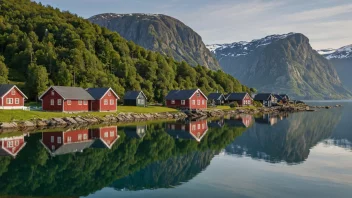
257 104
234 104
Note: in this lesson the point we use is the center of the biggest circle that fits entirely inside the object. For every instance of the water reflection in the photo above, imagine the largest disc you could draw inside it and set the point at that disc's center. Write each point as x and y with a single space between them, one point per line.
188 129
11 146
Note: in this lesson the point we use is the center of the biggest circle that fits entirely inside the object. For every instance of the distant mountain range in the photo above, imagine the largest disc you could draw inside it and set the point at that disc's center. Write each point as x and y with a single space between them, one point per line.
160 33
342 60
282 64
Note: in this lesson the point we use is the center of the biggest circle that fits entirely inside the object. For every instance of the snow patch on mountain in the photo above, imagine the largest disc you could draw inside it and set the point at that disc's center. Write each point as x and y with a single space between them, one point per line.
341 53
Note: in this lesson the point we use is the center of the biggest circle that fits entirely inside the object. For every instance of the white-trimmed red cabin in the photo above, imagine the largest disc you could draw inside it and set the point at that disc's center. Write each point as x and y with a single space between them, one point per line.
188 130
11 97
193 99
11 146
105 99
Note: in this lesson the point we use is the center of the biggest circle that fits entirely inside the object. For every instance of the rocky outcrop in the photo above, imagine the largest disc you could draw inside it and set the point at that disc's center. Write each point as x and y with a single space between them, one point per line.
160 33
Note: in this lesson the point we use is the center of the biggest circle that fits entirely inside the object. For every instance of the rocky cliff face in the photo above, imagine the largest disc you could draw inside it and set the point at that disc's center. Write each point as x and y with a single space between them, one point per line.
281 64
160 33
342 60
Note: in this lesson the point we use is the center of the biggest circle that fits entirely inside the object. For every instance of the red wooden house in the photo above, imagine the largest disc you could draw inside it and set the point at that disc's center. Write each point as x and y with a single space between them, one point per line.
186 99
11 97
66 99
11 146
242 99
188 130
105 99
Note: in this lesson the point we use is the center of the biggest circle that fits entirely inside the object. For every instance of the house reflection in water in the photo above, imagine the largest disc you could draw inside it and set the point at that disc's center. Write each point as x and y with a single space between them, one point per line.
135 131
240 121
71 141
188 130
11 146
216 123
267 119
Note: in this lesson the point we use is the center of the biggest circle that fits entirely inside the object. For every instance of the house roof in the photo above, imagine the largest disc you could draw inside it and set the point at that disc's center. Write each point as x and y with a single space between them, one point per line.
73 147
182 94
262 96
236 96
98 93
132 95
70 93
5 88
215 96
277 96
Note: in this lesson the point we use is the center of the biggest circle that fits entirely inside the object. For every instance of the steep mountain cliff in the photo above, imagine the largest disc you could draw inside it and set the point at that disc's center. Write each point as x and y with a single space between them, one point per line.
160 33
342 60
281 64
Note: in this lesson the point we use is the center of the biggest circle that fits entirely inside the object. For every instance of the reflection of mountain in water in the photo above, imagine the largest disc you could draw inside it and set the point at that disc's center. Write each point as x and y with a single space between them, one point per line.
289 140
166 174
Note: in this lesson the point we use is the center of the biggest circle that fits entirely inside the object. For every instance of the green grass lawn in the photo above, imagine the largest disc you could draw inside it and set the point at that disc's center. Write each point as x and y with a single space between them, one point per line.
20 115
227 107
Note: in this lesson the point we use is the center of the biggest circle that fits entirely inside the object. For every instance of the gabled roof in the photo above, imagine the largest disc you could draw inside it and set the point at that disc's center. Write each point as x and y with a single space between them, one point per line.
236 96
262 96
277 96
132 95
70 93
215 96
182 94
73 147
99 93
5 88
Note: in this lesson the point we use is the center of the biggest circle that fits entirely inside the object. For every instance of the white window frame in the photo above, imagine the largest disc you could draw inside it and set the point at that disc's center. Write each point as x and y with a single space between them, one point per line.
183 102
9 101
85 136
59 140
10 144
106 102
52 93
109 93
198 102
80 102
112 101
203 102
69 139
198 94
112 133
79 137
193 102
194 127
13 92
52 139
172 101
69 102
17 101
85 102
106 134
52 102
198 126
59 102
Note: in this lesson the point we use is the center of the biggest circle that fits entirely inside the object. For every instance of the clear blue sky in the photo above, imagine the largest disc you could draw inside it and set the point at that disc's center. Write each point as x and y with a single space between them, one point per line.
328 23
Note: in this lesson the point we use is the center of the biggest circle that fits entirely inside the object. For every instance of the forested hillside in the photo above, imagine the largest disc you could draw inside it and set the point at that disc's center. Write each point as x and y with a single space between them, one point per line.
41 46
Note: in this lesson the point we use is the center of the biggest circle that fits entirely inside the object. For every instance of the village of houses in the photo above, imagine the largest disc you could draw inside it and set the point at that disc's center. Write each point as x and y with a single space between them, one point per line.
77 99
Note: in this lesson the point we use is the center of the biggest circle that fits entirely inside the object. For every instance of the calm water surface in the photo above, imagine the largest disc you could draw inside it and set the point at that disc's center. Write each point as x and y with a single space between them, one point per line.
296 155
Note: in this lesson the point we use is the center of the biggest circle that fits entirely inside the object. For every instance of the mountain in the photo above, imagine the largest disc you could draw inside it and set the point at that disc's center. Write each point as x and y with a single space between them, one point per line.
342 60
42 46
281 64
160 33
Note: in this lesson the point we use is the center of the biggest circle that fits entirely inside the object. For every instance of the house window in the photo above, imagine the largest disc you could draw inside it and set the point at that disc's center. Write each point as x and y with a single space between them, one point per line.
85 136
17 143
85 102
193 102
52 147
194 127
109 93
13 92
79 136
173 127
52 102
202 102
112 101
198 102
106 102
198 126
69 139
59 102
198 94
141 101
172 102
183 127
203 126
106 135
112 134
80 102
68 102
10 144
17 101
59 140
52 139
52 93
183 102
9 101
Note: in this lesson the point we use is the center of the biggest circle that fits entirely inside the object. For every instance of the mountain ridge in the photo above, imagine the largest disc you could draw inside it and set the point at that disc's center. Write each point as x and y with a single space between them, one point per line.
161 33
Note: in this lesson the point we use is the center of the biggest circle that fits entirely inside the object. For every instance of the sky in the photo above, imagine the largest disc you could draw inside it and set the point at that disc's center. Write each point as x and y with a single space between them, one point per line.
327 23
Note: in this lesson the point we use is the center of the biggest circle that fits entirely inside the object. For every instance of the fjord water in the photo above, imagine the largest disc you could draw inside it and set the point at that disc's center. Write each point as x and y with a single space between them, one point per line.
296 155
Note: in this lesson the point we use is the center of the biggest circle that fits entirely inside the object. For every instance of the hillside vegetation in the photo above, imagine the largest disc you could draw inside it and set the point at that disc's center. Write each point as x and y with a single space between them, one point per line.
42 46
